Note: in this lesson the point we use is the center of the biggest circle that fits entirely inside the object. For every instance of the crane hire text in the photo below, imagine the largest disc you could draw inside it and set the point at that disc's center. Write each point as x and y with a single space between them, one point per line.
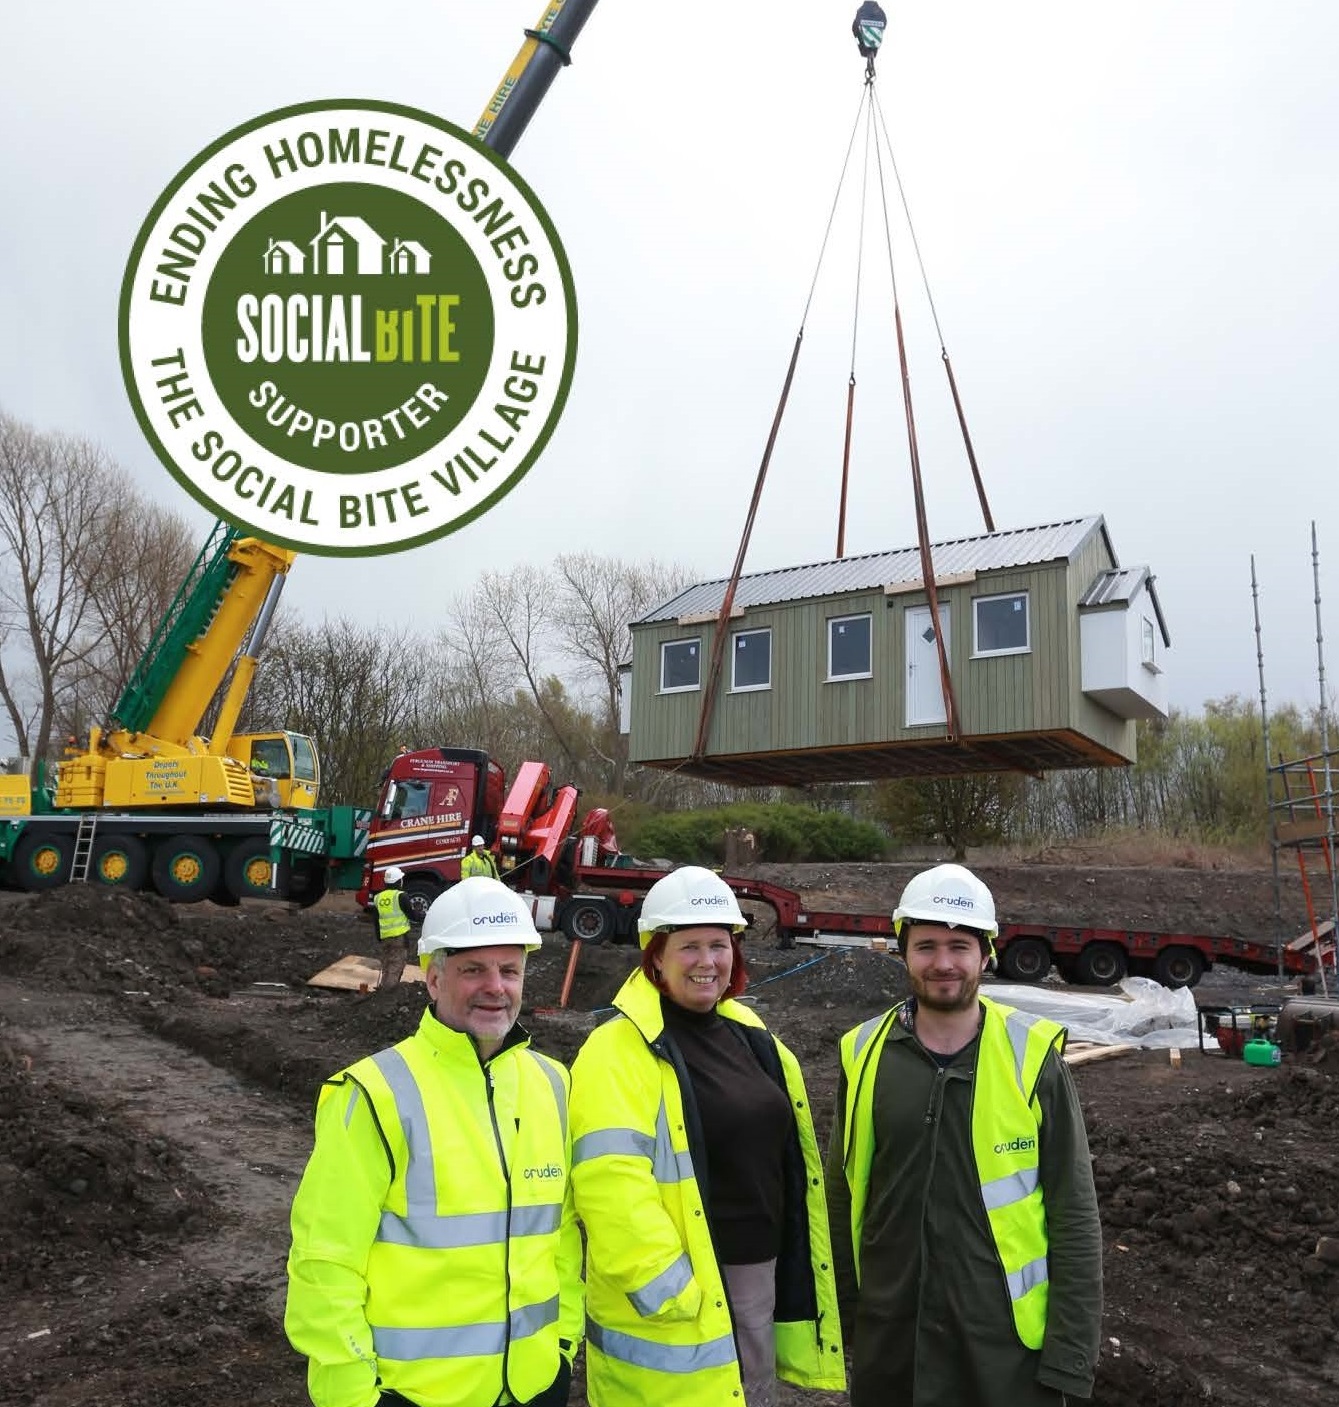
334 327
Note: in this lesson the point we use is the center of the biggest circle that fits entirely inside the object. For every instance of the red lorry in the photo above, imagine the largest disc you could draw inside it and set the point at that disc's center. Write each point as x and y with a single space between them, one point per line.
433 801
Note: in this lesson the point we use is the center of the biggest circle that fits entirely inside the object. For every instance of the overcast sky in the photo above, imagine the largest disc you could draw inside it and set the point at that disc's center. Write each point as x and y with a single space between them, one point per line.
1129 215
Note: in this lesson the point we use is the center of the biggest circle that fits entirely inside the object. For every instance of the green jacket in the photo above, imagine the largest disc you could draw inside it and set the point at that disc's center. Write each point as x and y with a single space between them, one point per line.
658 1324
933 1325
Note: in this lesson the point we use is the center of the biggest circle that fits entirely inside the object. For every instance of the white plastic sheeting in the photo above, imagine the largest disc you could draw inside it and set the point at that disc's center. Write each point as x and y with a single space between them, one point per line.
1138 1011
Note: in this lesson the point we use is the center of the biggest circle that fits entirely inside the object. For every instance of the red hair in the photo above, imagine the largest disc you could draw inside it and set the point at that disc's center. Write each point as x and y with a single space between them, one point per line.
655 950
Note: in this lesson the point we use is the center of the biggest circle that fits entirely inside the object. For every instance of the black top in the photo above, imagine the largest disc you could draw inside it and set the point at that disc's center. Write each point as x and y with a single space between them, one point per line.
746 1122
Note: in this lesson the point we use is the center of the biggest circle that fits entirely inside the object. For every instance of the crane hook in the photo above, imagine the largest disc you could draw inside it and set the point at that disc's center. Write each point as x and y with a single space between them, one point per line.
868 27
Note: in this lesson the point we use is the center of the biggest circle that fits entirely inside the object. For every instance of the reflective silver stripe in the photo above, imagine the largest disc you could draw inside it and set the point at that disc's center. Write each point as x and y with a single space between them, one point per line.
674 1281
464 1340
440 1233
1005 1191
533 1317
663 1357
1031 1275
667 1165
538 1220
420 1181
354 1096
864 1032
1017 1025
559 1089
605 1142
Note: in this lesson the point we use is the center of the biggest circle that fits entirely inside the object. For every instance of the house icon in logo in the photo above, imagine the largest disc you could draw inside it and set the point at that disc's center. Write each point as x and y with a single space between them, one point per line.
347 244
284 257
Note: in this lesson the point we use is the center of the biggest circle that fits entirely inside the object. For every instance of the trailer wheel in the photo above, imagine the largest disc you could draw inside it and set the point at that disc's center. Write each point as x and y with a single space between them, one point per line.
416 899
119 861
185 869
1178 967
588 921
1101 965
43 861
1025 960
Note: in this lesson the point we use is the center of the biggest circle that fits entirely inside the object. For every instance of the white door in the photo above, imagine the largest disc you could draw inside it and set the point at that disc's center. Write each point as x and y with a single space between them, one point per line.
925 697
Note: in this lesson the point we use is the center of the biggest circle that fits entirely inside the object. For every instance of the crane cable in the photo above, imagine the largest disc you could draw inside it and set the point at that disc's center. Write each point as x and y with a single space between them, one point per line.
934 314
728 601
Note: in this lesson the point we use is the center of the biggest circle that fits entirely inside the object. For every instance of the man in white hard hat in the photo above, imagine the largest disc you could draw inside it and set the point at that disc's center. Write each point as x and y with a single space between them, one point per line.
479 863
964 1215
397 943
436 1257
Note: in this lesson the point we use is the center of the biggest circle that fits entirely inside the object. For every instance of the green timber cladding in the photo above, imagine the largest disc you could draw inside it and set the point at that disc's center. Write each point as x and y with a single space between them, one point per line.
1020 704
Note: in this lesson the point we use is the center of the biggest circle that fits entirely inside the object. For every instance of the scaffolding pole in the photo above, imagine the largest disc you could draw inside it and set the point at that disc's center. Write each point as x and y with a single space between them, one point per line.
1269 813
1325 752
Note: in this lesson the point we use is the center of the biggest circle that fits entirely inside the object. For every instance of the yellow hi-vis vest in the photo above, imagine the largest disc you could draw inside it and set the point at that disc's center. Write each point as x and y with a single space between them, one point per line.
457 1297
1006 1136
478 864
658 1326
392 921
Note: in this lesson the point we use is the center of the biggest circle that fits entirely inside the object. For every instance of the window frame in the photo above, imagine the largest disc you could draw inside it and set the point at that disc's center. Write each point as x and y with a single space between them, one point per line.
1025 649
666 645
1148 645
735 637
868 618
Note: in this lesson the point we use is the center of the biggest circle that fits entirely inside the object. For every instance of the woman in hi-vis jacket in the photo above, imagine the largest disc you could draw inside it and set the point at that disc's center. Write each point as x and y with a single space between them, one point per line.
697 1174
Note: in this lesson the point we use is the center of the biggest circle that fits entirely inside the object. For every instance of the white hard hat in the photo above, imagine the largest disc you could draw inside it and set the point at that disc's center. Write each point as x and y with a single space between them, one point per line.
394 875
476 913
477 840
690 897
950 895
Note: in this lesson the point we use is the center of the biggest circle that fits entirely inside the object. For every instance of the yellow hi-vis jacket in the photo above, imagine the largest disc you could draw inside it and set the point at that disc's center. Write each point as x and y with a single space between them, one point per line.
658 1326
392 921
435 1246
1006 1137
478 863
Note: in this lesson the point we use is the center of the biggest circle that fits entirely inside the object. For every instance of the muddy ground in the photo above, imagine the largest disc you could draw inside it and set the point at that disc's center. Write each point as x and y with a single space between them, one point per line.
157 1068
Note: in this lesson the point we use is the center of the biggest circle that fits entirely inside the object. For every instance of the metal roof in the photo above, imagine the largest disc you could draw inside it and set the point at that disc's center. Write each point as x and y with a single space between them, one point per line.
1019 547
1121 586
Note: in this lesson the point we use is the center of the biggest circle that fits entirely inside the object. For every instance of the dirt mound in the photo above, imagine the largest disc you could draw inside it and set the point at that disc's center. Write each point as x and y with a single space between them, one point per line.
80 1186
1221 1204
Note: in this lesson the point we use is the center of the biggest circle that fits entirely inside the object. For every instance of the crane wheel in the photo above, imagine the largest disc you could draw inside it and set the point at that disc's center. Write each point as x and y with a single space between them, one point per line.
43 861
119 861
185 869
247 871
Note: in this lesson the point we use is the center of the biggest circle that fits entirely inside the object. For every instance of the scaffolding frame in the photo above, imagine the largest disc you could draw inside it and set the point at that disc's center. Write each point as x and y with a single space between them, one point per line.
1300 800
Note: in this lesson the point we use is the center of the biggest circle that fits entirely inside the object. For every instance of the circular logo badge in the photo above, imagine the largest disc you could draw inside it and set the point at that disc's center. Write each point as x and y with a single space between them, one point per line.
348 328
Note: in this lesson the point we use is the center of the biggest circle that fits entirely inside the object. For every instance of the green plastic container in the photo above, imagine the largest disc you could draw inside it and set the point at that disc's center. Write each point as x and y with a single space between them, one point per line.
1261 1053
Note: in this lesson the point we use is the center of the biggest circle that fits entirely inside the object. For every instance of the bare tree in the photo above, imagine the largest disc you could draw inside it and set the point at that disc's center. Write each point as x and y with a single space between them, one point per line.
597 600
54 496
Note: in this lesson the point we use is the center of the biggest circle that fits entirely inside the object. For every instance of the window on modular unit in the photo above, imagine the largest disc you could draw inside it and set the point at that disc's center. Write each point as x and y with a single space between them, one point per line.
752 661
1000 625
1148 645
680 665
849 647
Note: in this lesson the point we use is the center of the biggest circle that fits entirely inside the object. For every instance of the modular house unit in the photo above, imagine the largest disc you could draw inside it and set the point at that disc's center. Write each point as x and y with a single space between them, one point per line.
831 671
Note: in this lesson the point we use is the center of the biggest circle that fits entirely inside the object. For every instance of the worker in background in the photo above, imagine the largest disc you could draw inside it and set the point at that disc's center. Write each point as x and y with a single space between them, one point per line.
436 1256
699 1179
264 786
479 862
397 943
964 1215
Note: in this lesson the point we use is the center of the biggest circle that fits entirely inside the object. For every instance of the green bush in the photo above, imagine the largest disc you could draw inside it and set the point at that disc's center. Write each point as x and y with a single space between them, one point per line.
784 833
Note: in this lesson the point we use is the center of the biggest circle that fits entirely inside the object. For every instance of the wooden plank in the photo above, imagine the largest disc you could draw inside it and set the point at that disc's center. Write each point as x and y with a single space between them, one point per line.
1086 1056
359 974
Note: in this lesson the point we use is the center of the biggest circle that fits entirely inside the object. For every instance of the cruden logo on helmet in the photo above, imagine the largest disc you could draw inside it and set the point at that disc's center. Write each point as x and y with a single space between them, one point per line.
476 913
690 897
